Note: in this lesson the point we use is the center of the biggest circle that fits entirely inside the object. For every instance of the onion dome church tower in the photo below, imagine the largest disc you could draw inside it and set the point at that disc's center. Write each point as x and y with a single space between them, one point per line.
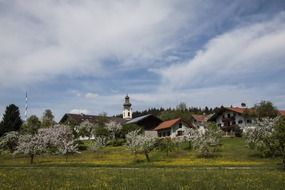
127 112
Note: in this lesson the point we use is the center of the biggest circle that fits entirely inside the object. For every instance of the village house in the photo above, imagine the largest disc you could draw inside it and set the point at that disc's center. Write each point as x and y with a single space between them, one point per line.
77 119
147 122
282 112
172 128
152 125
229 116
200 120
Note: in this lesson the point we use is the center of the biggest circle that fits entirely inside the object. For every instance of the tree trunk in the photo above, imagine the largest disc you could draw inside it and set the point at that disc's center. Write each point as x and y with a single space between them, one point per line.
31 158
146 156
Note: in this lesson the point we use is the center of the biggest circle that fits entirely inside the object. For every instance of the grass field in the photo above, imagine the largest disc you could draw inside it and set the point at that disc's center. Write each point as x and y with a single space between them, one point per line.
233 153
234 167
142 178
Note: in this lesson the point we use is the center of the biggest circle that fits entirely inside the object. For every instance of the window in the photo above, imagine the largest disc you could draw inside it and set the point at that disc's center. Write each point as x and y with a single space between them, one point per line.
240 121
168 133
159 134
128 113
248 121
229 115
180 125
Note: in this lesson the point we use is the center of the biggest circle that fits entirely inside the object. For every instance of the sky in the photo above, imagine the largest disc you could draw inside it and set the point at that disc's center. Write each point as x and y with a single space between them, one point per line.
84 56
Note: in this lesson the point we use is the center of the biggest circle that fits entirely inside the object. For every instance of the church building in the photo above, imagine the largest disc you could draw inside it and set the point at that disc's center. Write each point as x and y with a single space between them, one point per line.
127 111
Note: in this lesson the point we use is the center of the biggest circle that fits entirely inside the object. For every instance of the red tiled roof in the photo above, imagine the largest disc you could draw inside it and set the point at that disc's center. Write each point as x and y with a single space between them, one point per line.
236 109
282 112
241 110
167 124
199 118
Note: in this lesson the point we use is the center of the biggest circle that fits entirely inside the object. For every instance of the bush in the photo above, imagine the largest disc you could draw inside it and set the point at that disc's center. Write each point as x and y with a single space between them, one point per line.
117 142
238 131
166 145
101 132
128 128
82 145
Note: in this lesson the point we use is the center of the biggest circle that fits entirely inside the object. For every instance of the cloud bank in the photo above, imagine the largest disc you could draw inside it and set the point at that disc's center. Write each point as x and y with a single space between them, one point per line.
89 54
245 55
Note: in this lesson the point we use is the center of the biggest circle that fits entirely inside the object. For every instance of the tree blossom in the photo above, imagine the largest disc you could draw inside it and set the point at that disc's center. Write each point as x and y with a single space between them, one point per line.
140 143
99 142
114 128
205 142
59 140
86 129
9 141
259 137
31 145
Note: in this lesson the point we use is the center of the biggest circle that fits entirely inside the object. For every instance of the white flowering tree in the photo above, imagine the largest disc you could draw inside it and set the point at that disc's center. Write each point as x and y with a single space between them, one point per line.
279 137
59 140
114 128
206 142
167 144
62 139
268 137
139 143
189 137
31 145
260 136
9 141
99 142
86 129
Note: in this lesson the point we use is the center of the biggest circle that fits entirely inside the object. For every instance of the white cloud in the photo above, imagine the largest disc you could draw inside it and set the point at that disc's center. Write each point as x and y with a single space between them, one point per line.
91 95
246 52
79 111
41 40
44 39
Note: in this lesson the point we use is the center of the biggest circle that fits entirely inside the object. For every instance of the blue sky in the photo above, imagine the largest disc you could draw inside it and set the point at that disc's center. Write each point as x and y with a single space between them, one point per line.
85 56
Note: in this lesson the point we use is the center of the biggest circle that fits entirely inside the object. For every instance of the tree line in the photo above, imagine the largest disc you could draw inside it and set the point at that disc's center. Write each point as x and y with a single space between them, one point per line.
180 107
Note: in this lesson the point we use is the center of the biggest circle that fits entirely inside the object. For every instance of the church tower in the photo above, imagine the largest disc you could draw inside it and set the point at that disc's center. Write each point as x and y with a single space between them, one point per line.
127 112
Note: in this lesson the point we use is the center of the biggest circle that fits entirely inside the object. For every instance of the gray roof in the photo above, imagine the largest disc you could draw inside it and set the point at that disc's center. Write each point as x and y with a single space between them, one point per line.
137 119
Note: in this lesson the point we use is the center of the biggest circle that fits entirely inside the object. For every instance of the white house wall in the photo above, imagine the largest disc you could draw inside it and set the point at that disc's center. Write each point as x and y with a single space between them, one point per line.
151 133
238 117
175 129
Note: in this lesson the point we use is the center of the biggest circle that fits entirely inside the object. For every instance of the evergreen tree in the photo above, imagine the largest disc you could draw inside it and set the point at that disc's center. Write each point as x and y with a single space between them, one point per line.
11 120
207 111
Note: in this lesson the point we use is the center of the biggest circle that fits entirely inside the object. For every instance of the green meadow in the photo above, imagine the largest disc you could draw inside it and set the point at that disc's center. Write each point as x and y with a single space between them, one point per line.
233 167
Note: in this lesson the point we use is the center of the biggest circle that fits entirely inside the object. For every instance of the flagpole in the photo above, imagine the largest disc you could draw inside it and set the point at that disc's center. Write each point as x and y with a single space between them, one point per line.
26 107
